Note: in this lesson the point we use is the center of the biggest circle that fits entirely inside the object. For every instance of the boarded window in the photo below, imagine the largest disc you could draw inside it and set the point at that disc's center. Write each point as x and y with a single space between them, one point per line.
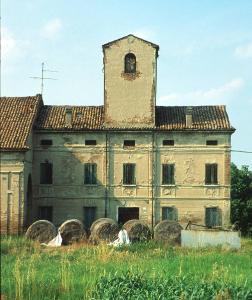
211 176
90 142
130 63
213 217
46 170
129 174
46 142
45 213
90 174
168 174
169 213
129 143
212 143
168 142
89 216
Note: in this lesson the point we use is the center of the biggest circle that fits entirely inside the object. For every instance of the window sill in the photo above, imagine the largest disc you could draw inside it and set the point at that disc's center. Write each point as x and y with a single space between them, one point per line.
91 184
212 184
129 185
168 185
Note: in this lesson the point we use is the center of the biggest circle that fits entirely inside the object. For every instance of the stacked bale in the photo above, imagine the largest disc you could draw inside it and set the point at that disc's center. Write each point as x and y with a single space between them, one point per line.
42 231
72 231
168 231
103 229
137 230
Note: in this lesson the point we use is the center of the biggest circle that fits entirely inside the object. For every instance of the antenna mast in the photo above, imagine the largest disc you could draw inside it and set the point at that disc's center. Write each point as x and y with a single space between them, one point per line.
42 78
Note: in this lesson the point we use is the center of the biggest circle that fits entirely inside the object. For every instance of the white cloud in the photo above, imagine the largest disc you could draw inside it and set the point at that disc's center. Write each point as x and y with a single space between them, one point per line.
8 43
51 28
200 97
244 51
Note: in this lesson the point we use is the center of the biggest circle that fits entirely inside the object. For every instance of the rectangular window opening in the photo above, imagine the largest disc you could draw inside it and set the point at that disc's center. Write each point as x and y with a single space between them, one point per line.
211 174
90 176
45 213
168 142
212 217
46 142
168 174
212 143
129 143
169 213
90 142
46 173
129 174
89 216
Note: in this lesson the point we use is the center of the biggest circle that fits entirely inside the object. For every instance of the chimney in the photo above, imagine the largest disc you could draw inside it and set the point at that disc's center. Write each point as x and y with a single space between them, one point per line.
189 116
69 116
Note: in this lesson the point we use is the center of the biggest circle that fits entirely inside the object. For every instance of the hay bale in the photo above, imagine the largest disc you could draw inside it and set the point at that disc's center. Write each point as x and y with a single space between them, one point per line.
103 229
168 231
42 231
72 231
137 230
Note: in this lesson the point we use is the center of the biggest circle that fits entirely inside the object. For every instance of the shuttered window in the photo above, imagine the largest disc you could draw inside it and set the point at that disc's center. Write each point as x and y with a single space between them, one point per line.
213 217
129 174
90 174
168 174
45 213
46 170
169 213
211 174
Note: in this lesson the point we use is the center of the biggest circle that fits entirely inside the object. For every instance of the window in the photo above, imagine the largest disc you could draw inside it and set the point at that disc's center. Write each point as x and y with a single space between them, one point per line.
45 213
90 174
129 174
46 142
130 63
168 142
168 174
169 213
90 142
89 216
46 170
213 217
211 176
212 143
129 143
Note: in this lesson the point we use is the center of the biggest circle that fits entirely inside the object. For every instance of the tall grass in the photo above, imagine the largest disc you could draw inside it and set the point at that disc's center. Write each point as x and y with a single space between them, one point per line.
82 271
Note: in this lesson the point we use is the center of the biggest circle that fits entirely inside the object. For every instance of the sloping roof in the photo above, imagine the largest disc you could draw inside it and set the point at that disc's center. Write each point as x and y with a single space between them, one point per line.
167 118
125 37
17 115
203 118
83 117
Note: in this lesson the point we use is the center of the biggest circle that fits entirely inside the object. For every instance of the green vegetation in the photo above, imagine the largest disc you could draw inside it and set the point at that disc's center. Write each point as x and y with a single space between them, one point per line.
142 271
241 198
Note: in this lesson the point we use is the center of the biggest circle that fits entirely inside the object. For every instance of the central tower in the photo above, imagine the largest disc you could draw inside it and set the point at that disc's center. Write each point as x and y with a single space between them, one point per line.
130 76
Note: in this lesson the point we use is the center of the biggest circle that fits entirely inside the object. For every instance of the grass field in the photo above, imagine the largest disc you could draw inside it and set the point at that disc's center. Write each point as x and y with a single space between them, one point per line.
141 271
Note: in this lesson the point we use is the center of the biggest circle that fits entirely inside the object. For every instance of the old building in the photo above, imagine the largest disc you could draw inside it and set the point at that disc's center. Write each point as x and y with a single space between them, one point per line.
126 159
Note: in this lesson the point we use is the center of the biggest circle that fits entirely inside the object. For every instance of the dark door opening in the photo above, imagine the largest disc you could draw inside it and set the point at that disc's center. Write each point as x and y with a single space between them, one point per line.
89 216
127 213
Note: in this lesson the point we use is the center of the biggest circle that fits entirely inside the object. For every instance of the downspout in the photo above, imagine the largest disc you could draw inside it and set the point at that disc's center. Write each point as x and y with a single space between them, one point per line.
152 181
106 177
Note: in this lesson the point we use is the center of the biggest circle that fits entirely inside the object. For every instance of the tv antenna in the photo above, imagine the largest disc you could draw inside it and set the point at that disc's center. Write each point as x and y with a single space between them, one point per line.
42 78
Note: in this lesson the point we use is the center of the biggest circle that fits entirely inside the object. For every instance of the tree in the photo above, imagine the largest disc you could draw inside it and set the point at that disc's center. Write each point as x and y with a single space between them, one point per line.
241 198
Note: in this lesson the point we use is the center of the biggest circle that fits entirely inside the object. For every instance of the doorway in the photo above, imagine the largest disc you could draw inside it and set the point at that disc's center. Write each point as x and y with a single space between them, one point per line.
127 213
89 216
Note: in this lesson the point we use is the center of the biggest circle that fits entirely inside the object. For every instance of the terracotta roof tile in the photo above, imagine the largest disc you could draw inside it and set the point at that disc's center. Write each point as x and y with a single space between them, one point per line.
167 118
17 115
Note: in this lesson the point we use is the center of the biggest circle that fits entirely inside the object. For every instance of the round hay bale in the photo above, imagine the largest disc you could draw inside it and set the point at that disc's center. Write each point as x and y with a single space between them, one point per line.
168 231
42 231
72 231
104 229
137 230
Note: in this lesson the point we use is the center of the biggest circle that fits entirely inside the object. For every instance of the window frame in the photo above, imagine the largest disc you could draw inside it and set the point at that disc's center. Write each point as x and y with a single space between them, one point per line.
211 174
46 174
90 142
168 143
90 174
173 213
168 176
211 142
129 179
47 207
131 144
127 70
208 218
46 142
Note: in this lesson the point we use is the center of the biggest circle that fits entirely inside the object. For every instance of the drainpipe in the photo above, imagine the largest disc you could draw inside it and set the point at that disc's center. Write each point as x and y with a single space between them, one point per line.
106 177
152 181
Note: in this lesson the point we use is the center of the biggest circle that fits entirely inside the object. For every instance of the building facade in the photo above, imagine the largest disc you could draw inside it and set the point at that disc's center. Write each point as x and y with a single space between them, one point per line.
124 160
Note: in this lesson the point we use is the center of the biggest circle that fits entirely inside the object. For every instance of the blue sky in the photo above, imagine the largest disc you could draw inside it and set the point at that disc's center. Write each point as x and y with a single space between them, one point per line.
205 52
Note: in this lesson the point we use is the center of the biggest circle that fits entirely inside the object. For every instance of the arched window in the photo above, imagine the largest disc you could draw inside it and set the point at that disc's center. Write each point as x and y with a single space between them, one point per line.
130 63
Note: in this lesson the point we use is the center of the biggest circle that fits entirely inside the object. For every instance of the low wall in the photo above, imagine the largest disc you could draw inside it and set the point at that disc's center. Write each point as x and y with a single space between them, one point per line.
205 238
